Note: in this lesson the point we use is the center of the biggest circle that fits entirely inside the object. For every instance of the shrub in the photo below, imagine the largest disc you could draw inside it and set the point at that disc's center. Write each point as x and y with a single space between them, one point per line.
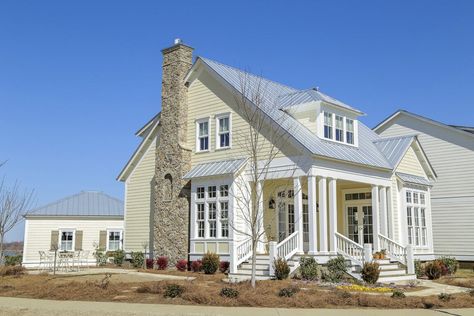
13 260
444 297
100 257
229 292
196 266
137 259
182 265
162 262
224 266
433 269
451 264
119 256
12 270
370 272
210 263
309 268
419 269
288 291
398 294
173 290
149 263
282 270
336 269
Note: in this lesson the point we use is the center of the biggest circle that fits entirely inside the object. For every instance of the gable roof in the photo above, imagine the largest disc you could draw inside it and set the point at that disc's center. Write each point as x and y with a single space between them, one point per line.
84 203
394 148
367 153
465 130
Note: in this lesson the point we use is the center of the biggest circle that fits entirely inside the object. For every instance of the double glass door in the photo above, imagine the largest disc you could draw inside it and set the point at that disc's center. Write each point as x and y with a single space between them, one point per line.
359 221
287 223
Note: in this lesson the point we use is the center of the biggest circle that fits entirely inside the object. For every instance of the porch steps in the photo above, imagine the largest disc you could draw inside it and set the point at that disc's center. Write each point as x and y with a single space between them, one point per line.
392 272
262 271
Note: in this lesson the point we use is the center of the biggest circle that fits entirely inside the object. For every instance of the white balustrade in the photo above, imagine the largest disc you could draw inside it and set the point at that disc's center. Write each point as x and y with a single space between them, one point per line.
394 250
243 251
350 249
288 246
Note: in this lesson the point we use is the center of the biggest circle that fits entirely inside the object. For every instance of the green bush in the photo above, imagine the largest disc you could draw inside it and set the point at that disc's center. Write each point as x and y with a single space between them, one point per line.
434 269
173 290
309 268
336 269
288 291
119 256
229 292
100 257
370 272
282 270
137 259
444 297
398 294
451 264
419 269
210 263
13 260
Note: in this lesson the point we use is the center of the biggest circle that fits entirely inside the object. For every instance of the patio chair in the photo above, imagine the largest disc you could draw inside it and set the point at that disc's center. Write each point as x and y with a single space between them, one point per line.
76 260
84 259
43 264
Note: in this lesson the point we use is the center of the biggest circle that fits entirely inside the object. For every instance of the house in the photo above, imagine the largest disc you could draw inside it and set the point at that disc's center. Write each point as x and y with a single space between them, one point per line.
81 222
333 187
450 150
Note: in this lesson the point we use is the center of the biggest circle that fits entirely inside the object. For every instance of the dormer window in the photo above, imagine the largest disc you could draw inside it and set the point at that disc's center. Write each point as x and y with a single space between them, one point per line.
350 131
327 125
339 128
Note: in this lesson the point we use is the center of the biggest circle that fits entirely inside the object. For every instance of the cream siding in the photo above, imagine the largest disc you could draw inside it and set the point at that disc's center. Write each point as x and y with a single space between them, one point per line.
38 236
411 164
138 202
451 154
206 99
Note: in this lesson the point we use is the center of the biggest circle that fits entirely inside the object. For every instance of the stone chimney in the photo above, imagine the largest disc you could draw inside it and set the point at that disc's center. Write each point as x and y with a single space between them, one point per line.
173 158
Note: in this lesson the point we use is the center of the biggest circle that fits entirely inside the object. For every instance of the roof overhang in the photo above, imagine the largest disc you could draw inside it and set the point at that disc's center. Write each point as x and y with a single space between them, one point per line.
412 179
216 168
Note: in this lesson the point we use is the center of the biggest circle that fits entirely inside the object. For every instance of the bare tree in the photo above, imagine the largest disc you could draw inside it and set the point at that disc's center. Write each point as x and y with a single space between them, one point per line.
261 143
14 202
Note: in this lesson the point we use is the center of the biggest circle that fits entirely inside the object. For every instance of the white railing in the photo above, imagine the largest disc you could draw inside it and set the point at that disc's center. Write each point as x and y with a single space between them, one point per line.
244 251
288 246
350 249
394 250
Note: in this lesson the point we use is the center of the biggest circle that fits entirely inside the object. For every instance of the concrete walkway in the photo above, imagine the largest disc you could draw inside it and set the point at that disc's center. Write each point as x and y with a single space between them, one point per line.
433 288
31 307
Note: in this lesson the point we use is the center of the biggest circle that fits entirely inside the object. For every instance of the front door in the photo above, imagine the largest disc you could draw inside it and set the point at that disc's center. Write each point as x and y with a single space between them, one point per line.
359 223
286 218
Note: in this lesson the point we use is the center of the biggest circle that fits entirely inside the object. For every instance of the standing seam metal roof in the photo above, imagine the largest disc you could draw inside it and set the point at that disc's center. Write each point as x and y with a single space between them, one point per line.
409 178
394 148
85 203
216 168
367 153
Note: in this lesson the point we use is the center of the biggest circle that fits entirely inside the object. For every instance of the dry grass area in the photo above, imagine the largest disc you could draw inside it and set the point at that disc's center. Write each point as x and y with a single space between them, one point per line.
463 277
205 290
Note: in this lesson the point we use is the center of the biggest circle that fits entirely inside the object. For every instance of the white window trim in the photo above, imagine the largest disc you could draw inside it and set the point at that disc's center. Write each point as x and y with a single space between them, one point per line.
121 237
333 136
427 208
198 121
217 134
61 230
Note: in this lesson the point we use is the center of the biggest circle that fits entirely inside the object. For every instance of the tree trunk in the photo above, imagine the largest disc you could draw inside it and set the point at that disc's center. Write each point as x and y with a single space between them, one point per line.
1 250
254 262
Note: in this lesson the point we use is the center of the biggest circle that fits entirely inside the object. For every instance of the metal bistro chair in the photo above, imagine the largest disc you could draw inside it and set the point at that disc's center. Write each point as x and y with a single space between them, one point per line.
76 260
84 257
43 264
65 259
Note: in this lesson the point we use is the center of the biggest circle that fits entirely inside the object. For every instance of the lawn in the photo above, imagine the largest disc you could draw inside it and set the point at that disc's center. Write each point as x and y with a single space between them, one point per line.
206 289
463 277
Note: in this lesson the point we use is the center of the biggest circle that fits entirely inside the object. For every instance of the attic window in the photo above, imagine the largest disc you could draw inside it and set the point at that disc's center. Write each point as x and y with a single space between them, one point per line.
339 128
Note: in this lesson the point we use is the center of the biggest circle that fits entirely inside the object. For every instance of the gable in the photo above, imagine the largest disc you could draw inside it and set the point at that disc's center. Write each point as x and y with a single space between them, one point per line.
410 164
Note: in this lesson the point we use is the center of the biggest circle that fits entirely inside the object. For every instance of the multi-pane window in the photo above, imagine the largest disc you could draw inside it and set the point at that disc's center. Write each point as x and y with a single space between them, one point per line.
416 217
212 216
115 240
291 219
203 136
339 128
211 192
223 132
350 131
327 125
200 219
224 190
224 219
67 237
200 192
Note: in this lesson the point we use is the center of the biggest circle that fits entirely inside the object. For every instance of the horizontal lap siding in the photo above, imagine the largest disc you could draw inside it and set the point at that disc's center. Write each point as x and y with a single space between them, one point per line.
138 202
410 164
38 236
452 157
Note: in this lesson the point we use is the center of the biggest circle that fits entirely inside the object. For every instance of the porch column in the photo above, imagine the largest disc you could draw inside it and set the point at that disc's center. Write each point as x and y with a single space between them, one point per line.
298 201
261 228
383 211
390 226
375 216
312 215
323 219
332 215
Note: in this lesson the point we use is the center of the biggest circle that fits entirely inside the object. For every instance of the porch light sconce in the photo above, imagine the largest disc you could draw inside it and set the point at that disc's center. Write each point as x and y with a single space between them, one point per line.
271 203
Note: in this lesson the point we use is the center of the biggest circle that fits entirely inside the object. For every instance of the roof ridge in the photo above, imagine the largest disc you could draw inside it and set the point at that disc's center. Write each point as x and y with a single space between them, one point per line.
382 139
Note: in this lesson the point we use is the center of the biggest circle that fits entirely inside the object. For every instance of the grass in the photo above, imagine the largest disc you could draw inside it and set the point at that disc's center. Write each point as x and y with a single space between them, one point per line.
205 290
463 277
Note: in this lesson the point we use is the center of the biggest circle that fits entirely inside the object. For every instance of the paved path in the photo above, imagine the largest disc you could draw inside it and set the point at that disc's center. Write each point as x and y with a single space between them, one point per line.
434 288
31 307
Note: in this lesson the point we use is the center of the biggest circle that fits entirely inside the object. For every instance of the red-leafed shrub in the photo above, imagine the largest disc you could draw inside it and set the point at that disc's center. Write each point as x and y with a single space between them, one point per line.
196 266
224 266
162 263
149 263
182 265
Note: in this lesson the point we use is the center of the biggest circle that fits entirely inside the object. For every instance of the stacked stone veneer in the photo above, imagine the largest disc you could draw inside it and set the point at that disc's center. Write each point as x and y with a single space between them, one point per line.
173 159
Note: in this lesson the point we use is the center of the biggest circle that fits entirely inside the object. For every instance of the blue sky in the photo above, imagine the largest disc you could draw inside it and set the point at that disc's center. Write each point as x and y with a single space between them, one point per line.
77 79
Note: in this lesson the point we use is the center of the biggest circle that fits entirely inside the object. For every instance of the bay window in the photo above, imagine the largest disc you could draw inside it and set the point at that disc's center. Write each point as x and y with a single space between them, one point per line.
416 217
212 211
200 219
212 216
224 219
